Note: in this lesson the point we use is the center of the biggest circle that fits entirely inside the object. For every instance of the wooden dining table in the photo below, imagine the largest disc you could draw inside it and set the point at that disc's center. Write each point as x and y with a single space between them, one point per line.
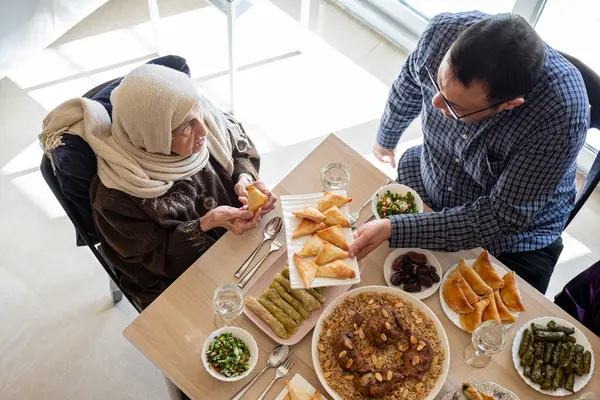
172 330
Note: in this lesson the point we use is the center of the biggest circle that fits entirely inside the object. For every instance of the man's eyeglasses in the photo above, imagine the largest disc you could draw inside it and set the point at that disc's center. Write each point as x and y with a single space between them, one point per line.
454 113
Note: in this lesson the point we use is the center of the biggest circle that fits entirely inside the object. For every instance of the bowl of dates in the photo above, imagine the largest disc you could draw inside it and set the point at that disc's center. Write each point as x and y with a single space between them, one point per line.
415 271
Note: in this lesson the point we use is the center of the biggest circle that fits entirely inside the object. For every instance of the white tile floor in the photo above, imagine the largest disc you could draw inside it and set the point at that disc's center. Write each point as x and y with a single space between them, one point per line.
59 336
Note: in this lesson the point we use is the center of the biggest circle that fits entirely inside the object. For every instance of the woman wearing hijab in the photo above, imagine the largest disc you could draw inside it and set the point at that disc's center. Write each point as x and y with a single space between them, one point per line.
172 175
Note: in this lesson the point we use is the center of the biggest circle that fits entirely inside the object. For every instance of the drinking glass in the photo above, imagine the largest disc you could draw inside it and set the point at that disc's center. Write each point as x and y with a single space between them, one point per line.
488 338
335 175
228 303
589 396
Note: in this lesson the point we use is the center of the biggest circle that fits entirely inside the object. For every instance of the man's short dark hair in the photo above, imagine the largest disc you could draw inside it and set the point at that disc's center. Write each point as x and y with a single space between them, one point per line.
504 52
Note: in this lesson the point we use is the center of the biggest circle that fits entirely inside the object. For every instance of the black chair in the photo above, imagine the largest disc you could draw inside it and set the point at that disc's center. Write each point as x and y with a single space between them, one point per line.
592 86
50 178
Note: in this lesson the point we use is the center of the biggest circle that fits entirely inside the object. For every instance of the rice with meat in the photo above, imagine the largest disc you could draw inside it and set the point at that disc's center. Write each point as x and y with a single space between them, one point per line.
388 358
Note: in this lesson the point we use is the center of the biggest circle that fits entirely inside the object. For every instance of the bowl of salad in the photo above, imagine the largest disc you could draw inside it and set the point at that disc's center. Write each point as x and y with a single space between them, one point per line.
229 354
396 199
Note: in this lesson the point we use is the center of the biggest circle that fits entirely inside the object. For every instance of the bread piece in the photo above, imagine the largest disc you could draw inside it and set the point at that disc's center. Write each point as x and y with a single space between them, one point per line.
296 393
331 199
312 246
470 322
335 236
471 296
484 268
470 392
336 269
491 312
310 213
455 298
307 227
473 279
328 253
503 311
333 216
306 268
510 293
256 199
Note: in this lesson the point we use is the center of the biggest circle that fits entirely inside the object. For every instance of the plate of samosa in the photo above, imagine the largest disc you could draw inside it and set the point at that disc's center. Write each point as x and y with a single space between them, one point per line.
474 291
318 238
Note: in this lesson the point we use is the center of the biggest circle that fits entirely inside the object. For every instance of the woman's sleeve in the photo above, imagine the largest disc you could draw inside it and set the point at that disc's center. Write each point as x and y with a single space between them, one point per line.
246 159
138 239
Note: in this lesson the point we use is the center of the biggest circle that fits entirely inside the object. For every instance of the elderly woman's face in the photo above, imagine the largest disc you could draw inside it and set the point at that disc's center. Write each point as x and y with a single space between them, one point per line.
189 137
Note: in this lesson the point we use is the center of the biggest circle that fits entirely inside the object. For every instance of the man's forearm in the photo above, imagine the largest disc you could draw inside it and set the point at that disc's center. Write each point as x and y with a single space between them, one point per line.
452 229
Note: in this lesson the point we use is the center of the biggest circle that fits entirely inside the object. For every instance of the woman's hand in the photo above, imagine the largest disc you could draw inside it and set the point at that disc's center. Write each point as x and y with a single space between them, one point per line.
236 220
241 189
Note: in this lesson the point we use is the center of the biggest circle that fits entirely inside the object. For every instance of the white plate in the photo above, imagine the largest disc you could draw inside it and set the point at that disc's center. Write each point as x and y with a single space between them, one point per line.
580 381
388 271
406 297
455 317
491 388
290 221
243 336
395 188
299 381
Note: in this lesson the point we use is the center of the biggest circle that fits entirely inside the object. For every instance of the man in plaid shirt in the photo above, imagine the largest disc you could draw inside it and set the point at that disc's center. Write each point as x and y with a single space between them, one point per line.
503 117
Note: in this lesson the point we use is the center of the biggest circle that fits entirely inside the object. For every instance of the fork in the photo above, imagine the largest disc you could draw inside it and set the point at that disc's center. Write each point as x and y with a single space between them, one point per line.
279 373
356 214
275 245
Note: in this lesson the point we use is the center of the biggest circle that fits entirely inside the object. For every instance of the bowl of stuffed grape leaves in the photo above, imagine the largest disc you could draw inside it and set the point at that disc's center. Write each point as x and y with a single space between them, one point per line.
553 356
415 271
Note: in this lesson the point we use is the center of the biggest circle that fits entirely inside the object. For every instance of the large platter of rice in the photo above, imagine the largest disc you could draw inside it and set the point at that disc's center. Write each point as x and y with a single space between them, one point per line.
337 318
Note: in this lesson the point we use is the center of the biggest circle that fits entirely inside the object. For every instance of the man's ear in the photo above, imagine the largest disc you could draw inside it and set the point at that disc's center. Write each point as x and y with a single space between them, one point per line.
514 103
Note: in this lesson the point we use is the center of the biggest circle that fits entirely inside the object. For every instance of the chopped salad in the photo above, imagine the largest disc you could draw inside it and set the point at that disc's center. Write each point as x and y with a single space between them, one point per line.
394 204
228 355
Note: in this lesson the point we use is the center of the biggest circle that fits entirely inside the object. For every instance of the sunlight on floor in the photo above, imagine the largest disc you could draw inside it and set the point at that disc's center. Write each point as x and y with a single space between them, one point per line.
33 186
573 249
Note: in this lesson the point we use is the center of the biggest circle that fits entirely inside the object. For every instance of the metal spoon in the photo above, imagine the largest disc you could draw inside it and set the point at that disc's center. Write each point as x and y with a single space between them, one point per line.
276 358
272 228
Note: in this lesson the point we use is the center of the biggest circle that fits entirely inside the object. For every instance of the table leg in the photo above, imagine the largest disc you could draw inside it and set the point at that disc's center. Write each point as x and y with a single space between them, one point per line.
304 23
231 35
155 20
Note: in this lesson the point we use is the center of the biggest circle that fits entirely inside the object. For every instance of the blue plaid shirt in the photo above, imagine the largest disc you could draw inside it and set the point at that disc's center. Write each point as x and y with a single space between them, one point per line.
506 183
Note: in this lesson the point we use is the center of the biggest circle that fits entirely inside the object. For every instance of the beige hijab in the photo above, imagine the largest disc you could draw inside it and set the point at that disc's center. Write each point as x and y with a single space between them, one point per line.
134 152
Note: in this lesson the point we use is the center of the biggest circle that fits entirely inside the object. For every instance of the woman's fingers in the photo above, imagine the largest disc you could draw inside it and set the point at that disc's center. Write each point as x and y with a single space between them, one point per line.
243 200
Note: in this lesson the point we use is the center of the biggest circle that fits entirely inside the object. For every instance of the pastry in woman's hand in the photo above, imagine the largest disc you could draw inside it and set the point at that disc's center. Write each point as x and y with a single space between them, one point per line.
307 227
328 253
471 296
473 279
310 213
455 298
331 199
336 269
510 293
256 199
306 268
333 216
505 315
312 246
484 268
491 311
471 321
335 236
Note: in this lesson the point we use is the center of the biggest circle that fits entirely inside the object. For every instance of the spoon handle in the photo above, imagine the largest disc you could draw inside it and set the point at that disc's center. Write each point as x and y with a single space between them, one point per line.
245 265
243 390
242 284
264 394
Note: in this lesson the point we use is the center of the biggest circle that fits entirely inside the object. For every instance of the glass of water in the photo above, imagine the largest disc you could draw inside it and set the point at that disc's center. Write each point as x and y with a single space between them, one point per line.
228 303
335 175
488 338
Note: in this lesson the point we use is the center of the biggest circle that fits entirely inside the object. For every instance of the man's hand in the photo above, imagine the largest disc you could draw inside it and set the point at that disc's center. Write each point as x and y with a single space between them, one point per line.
241 189
387 156
233 219
370 236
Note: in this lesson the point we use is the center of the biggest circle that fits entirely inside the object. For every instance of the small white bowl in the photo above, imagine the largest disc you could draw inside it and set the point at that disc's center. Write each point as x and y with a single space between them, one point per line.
243 336
398 189
388 271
